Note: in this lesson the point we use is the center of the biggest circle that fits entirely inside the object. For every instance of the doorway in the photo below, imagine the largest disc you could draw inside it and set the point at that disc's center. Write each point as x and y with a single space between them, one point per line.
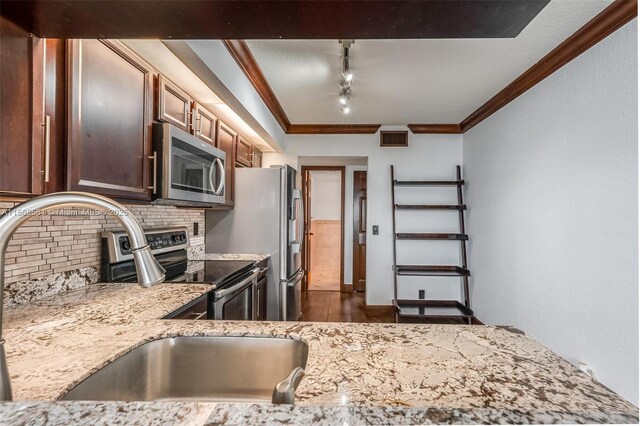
323 252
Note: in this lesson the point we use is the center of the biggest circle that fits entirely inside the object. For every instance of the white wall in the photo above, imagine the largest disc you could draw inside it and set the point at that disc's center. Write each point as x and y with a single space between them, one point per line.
326 195
553 212
427 157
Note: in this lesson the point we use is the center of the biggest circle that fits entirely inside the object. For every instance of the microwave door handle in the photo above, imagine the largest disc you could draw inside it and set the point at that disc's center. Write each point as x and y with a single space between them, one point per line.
217 163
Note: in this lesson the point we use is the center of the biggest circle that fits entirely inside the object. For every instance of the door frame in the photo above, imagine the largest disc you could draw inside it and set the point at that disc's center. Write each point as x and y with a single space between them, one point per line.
307 226
356 234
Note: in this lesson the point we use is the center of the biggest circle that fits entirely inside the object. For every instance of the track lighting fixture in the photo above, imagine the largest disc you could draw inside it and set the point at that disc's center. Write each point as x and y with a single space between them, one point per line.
347 77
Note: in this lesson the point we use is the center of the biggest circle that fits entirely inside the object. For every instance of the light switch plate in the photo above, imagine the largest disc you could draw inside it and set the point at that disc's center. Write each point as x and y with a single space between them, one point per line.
376 230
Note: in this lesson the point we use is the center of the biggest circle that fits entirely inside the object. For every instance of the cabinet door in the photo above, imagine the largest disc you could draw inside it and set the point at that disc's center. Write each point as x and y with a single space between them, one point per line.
226 141
109 117
243 153
173 104
22 119
256 157
55 109
204 124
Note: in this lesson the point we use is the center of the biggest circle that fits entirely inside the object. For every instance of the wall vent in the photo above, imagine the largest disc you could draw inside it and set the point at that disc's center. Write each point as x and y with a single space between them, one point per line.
396 138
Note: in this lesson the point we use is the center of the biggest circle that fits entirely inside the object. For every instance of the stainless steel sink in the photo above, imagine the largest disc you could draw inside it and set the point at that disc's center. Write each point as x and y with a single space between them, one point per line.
245 369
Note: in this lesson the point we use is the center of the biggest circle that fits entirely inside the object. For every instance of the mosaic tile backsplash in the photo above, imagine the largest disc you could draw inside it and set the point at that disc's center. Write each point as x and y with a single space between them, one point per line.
60 249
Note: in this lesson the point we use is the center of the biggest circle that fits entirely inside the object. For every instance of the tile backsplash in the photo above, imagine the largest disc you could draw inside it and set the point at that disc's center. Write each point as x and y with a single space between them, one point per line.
66 243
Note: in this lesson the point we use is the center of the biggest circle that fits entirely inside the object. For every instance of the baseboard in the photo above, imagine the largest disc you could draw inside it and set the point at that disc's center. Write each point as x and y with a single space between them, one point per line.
380 309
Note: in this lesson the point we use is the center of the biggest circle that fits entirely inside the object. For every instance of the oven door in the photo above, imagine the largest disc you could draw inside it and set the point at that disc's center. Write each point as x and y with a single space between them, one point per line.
235 302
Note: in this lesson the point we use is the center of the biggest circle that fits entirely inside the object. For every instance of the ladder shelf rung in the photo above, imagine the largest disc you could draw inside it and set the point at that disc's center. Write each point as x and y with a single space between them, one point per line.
430 207
428 182
433 270
432 309
431 236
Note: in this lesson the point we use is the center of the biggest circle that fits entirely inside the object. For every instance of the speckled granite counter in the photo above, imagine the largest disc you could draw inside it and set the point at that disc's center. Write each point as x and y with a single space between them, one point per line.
228 256
356 373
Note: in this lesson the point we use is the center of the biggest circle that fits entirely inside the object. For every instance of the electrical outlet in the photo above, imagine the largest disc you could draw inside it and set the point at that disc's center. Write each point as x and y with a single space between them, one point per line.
586 368
376 230
421 294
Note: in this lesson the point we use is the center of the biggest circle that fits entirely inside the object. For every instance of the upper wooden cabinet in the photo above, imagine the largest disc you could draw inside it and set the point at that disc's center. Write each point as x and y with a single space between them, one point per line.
204 124
109 116
22 118
226 141
256 157
243 153
173 104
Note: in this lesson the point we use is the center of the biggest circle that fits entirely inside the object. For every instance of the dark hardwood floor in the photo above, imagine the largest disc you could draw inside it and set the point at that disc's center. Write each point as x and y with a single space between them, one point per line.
334 306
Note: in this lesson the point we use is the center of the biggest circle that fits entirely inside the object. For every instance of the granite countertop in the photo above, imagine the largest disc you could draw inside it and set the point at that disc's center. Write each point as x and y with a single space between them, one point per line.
356 373
229 256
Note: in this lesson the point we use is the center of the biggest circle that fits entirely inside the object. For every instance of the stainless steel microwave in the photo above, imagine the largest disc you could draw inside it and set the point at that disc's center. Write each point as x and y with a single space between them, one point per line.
191 171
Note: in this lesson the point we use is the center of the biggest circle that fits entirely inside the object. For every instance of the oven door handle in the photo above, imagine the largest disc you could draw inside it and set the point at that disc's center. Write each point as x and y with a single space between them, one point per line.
244 283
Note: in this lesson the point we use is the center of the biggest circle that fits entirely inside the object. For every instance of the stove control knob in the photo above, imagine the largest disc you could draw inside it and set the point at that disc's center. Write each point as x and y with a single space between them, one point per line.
125 245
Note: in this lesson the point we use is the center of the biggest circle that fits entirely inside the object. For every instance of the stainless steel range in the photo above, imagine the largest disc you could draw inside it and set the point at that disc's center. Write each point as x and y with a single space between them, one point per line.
234 294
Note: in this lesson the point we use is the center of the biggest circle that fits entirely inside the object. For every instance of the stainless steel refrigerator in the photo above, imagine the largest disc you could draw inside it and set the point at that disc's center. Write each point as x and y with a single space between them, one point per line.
267 217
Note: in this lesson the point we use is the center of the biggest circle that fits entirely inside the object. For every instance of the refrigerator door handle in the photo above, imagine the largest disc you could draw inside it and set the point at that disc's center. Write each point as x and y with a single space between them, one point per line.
284 286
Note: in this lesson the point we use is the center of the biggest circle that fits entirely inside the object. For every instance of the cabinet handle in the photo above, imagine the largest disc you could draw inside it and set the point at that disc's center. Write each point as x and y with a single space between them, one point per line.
189 120
47 146
154 157
198 128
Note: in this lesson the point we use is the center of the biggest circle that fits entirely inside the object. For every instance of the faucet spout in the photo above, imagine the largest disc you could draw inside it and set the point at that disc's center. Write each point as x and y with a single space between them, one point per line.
147 267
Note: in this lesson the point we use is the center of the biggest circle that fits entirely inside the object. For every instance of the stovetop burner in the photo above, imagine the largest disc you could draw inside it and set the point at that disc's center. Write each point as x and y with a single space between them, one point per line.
217 272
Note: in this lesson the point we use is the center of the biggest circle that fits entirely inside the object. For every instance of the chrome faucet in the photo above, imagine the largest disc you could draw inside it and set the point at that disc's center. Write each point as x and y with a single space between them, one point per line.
147 267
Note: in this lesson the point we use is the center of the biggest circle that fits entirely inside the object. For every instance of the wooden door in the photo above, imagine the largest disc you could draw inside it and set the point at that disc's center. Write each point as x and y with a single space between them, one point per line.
226 141
359 230
243 152
204 124
306 248
21 104
109 117
173 104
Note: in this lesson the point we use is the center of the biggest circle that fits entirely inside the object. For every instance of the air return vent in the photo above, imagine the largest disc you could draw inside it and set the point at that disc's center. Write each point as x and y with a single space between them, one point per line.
394 138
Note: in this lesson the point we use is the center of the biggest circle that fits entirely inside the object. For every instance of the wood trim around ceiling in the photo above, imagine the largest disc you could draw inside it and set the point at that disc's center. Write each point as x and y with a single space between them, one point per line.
327 129
610 19
245 59
606 22
435 128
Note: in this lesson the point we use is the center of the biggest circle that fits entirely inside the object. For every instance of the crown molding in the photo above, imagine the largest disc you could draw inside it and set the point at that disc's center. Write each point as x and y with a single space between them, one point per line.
452 129
613 17
327 129
244 58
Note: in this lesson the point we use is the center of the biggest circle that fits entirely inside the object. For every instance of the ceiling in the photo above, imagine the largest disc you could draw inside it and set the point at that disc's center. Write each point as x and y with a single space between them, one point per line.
411 81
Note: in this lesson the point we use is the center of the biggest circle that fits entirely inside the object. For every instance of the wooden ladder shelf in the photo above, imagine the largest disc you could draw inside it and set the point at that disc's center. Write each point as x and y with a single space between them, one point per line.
432 309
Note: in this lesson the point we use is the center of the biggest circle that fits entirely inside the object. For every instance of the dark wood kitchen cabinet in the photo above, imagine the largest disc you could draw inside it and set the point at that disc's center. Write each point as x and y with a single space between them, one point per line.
109 115
173 105
226 141
204 126
22 117
243 153
256 157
